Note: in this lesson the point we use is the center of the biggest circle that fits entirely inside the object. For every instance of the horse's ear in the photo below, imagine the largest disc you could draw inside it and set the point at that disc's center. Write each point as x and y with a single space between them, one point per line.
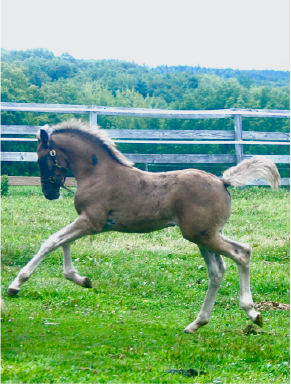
42 135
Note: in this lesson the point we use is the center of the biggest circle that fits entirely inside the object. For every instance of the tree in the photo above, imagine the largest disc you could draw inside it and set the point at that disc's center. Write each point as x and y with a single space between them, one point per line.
15 86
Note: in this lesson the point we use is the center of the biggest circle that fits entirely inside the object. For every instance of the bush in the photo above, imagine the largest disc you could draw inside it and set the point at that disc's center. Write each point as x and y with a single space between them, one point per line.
4 185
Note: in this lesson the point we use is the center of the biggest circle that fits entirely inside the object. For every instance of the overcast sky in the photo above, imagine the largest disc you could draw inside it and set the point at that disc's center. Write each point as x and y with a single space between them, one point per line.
238 34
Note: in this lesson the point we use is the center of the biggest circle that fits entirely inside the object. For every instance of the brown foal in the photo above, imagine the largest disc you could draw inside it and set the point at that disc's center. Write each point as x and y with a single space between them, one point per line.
112 195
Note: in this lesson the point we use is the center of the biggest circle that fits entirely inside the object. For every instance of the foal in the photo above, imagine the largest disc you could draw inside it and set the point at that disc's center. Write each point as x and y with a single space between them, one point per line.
112 195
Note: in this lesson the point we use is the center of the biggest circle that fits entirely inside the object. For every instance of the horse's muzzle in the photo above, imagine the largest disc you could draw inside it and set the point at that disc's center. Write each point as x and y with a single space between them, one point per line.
51 196
51 192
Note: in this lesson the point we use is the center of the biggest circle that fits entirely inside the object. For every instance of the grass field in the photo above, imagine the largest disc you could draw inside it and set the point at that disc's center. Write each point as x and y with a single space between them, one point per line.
147 288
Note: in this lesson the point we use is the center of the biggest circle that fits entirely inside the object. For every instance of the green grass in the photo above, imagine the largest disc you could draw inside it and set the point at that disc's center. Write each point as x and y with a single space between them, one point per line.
147 288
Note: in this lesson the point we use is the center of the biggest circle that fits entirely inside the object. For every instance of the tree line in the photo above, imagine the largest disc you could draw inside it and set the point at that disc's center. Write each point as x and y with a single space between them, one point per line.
38 76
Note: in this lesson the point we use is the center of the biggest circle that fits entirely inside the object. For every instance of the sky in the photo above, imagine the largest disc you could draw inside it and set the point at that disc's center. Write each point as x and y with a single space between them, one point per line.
237 34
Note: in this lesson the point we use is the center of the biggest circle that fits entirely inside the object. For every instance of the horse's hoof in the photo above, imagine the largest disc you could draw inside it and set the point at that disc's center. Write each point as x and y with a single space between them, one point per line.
259 320
187 330
12 292
87 283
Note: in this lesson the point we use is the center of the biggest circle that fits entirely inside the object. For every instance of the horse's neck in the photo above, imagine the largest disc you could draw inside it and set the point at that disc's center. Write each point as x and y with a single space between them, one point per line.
85 158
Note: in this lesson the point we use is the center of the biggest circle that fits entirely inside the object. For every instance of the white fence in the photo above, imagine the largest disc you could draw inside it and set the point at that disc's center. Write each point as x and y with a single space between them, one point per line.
238 137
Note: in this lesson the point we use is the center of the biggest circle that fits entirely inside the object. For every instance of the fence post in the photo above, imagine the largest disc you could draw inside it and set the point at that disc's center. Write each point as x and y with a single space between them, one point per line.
238 137
93 118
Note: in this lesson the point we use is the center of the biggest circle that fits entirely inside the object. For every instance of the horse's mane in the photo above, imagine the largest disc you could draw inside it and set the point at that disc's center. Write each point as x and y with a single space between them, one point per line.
95 134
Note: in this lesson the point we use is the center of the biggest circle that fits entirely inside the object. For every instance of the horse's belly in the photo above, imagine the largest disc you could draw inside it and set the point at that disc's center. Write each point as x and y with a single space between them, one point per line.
138 224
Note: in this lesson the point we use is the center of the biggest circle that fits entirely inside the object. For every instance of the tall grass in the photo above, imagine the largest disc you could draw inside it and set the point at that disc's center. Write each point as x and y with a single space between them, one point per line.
147 288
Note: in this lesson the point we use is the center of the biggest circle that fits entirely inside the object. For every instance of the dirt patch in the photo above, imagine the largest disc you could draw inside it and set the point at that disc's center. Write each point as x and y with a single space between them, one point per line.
272 305
252 329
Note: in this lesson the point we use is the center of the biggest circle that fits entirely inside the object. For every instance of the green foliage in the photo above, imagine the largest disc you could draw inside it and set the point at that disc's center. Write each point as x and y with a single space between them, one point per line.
15 86
4 185
147 288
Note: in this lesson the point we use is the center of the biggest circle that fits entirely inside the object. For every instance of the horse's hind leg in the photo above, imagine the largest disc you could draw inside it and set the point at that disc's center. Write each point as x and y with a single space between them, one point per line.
80 227
216 268
69 271
241 254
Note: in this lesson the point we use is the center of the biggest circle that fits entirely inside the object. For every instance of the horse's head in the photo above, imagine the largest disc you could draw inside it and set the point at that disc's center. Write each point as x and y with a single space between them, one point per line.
52 164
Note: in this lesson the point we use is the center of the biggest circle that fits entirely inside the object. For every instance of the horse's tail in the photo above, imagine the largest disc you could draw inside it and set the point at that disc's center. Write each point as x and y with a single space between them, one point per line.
249 170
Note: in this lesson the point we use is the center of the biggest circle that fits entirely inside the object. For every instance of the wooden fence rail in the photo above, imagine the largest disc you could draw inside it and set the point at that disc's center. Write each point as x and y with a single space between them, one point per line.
143 112
238 137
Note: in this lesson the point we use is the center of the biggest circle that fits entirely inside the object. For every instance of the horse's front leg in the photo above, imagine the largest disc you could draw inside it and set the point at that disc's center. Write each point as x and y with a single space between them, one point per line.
80 227
69 271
